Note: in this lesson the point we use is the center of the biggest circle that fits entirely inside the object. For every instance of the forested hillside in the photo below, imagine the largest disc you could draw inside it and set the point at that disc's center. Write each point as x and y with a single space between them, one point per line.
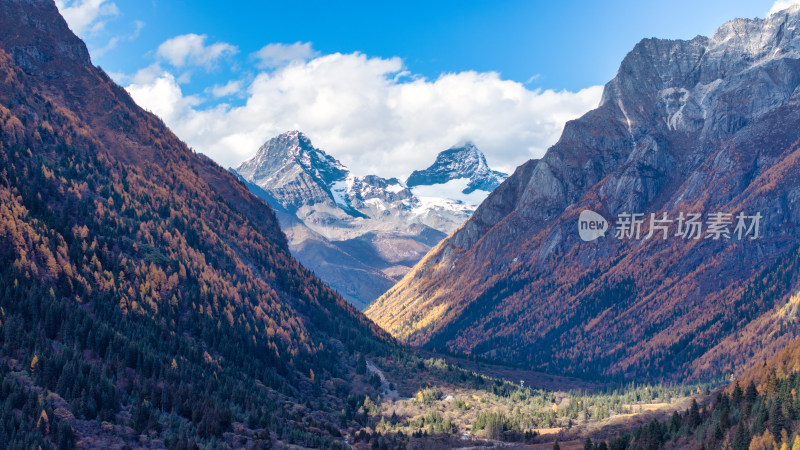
143 289
760 410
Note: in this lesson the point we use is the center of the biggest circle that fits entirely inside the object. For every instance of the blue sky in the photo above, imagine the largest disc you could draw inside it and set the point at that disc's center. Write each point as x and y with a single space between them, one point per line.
383 86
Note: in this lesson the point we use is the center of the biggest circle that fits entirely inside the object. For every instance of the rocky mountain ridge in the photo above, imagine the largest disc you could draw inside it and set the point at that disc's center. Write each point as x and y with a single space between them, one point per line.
362 233
703 126
459 162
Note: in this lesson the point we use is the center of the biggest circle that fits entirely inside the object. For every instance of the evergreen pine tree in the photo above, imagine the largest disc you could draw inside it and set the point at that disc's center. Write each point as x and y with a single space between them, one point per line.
741 440
737 395
694 414
777 420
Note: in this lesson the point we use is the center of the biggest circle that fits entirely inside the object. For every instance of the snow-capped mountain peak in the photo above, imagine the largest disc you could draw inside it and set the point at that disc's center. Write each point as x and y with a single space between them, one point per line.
380 222
463 161
292 148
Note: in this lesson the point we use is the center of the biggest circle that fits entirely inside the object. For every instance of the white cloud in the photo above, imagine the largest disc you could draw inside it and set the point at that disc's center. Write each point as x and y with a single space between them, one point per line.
86 16
780 5
229 88
275 55
161 94
362 111
190 50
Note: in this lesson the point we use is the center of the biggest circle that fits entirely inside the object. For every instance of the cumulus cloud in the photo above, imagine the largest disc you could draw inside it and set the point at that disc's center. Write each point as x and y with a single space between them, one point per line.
275 55
191 50
370 114
230 88
162 95
780 5
86 15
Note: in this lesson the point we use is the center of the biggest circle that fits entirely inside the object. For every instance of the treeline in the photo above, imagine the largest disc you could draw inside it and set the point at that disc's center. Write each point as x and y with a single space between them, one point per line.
742 418
486 408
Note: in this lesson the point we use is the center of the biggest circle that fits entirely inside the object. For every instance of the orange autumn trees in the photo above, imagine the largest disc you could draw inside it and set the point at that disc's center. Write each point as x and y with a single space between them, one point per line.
153 290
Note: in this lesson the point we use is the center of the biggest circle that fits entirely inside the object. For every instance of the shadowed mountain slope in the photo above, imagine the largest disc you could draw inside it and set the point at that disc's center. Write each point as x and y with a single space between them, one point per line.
142 286
703 126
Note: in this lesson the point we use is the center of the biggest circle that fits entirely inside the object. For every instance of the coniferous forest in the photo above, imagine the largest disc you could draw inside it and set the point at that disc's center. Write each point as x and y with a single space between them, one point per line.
149 300
141 283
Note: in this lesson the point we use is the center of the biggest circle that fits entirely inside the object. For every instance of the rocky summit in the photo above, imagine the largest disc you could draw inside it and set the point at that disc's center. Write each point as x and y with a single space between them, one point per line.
706 128
363 233
460 162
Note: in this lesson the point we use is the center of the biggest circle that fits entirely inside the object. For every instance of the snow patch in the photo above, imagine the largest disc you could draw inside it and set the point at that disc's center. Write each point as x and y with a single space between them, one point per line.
448 196
395 188
452 191
339 190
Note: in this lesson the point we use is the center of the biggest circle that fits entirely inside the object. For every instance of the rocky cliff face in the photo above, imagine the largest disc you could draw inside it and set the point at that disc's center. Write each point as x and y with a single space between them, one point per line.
460 162
701 126
362 234
296 173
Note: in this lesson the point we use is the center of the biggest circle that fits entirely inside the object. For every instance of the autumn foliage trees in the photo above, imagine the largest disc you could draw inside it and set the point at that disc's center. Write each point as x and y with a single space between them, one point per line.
152 290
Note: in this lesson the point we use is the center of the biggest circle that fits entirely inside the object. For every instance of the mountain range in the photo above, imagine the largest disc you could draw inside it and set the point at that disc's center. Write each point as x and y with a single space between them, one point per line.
147 298
704 128
360 234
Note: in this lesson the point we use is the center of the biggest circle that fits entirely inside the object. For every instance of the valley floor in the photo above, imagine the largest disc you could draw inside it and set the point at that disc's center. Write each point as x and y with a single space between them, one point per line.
443 402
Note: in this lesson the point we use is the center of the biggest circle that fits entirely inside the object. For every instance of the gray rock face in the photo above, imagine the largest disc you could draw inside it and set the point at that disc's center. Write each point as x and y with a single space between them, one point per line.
709 124
671 105
293 171
33 52
459 162
360 234
354 272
